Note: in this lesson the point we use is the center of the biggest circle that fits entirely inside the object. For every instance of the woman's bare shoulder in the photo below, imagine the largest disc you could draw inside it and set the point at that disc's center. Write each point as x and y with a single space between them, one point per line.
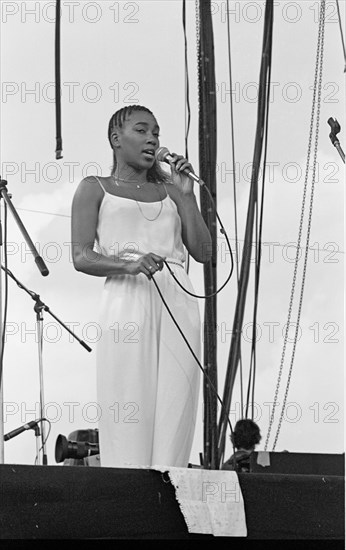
89 193
172 191
92 186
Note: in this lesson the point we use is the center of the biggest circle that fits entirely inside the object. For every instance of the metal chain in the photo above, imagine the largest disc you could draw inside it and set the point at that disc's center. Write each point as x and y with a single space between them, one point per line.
308 236
317 79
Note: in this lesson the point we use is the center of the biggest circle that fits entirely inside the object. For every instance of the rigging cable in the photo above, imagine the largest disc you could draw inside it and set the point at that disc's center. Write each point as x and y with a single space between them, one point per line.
187 105
233 359
234 191
58 149
232 141
259 228
317 87
187 87
342 34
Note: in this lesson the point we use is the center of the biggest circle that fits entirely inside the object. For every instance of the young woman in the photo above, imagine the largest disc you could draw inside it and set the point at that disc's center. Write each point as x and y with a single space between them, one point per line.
124 227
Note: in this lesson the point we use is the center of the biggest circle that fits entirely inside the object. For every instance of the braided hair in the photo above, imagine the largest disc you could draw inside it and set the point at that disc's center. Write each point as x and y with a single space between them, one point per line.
155 174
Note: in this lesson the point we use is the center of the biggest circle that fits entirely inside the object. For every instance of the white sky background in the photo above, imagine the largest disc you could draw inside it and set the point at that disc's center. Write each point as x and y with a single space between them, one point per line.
118 53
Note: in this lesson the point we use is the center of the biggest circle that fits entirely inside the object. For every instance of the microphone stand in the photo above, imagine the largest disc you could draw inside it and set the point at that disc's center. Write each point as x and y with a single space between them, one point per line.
39 307
335 127
44 271
37 438
32 426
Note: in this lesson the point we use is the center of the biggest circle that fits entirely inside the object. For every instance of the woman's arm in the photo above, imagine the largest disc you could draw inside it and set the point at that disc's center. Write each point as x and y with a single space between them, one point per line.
85 210
195 234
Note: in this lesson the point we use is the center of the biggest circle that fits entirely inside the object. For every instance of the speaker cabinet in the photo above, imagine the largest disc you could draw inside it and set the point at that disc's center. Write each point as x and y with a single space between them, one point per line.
297 463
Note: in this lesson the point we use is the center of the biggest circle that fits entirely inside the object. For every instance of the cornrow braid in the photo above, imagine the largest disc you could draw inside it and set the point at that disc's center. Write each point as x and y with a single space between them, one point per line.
118 119
155 174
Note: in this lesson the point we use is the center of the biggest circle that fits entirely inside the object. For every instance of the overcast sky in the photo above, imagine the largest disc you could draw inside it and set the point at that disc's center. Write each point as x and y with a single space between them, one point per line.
120 53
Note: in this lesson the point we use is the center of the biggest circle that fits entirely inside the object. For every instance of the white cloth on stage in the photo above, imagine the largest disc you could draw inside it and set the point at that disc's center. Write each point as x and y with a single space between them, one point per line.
211 501
147 378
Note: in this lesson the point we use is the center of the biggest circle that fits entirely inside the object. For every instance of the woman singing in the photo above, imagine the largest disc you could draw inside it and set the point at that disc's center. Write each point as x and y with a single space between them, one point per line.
124 227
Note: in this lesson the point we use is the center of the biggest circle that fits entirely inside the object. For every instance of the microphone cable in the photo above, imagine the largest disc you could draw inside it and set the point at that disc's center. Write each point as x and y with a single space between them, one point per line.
223 231
193 353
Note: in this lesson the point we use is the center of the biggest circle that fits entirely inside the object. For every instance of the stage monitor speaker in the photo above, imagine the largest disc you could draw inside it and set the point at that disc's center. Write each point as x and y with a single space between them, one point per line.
297 463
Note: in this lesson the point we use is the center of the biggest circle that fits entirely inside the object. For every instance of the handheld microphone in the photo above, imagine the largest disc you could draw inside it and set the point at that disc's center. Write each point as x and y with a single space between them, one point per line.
18 431
163 155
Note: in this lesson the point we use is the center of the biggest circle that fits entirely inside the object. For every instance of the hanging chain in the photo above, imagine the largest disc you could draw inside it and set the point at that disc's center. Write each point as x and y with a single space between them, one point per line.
307 240
317 83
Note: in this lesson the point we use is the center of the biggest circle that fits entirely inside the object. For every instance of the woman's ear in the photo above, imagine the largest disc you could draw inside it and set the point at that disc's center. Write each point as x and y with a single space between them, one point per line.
115 139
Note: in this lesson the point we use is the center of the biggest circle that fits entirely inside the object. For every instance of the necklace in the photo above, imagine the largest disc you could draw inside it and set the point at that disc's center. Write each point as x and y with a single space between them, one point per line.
128 180
140 209
150 219
138 185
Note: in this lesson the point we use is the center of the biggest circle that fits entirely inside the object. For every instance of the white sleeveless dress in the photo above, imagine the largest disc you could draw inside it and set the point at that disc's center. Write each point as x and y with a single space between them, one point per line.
147 378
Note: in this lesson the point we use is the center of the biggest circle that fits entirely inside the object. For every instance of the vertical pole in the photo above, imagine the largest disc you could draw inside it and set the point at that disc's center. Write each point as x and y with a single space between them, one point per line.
207 163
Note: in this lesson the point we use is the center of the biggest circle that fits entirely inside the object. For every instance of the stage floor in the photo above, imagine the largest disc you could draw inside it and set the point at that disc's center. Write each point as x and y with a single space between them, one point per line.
76 502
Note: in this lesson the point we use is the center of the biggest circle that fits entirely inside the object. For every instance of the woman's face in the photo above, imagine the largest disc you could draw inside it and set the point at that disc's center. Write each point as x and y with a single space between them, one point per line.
136 142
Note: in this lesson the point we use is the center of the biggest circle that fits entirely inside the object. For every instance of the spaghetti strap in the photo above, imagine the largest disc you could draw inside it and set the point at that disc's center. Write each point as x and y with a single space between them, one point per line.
100 184
165 189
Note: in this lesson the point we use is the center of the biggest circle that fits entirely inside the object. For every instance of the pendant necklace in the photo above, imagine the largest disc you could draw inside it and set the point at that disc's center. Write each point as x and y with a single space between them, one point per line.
138 185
